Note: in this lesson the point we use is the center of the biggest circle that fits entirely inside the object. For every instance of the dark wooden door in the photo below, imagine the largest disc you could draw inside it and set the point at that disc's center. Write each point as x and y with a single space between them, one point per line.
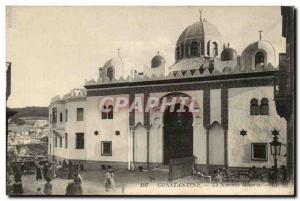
178 134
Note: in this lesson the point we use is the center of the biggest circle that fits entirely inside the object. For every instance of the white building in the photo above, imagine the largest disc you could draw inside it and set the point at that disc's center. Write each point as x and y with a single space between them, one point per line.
233 93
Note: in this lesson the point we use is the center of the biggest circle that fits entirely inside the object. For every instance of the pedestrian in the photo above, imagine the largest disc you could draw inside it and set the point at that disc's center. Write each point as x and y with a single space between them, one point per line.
283 175
273 176
53 170
23 168
220 175
109 181
77 187
252 173
64 164
74 188
45 171
9 187
48 187
263 174
17 186
79 177
49 170
38 171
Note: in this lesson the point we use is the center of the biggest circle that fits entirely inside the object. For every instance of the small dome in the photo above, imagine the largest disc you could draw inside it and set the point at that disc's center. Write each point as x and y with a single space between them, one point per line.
228 54
261 51
113 68
116 62
157 61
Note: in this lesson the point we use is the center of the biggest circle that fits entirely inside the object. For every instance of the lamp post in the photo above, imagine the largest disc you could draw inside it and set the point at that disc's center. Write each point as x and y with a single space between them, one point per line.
275 147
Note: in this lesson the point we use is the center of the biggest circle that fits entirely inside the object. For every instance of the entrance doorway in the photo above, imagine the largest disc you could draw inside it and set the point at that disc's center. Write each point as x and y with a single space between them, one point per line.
178 133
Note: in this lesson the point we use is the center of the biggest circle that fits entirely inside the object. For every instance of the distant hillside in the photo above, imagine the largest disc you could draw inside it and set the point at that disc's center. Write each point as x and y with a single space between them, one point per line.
31 112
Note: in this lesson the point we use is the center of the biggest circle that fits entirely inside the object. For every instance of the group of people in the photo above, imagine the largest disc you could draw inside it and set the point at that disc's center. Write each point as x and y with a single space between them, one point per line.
46 170
14 175
55 169
67 170
272 175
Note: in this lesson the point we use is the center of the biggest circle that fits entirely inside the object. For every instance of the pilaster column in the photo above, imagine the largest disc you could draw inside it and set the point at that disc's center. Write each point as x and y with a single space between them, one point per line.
206 119
147 126
131 140
224 121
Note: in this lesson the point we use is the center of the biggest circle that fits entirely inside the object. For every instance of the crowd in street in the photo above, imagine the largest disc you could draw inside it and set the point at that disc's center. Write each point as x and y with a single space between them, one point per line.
272 176
48 172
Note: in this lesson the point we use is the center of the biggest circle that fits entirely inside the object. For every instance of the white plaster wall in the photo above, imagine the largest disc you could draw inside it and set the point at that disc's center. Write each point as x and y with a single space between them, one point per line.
139 115
72 127
106 130
140 144
216 145
215 105
258 127
156 144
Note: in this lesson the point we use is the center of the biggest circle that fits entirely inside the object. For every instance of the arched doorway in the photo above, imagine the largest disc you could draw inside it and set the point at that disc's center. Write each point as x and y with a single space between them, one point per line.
178 133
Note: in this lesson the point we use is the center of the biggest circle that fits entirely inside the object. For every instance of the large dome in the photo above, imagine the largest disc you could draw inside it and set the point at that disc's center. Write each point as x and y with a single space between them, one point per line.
199 39
199 30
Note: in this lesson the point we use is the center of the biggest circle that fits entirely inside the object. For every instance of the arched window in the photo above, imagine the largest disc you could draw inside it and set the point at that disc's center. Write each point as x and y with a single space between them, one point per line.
177 53
181 51
110 113
264 106
254 108
215 49
54 115
194 49
60 117
66 116
259 59
208 47
104 112
107 112
110 74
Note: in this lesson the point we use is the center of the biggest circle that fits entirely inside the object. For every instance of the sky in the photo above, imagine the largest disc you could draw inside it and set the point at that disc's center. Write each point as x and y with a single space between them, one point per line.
54 49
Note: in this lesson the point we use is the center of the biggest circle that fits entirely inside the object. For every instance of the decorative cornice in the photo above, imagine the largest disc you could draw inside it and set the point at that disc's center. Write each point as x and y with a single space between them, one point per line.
179 78
185 85
175 75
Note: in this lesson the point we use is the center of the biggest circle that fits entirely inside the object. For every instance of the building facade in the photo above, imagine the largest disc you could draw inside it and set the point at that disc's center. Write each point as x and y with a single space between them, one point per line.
233 95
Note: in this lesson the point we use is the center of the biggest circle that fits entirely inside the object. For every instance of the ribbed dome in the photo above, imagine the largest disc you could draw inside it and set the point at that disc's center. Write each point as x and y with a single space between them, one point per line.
228 54
114 62
261 44
198 30
157 61
113 67
250 55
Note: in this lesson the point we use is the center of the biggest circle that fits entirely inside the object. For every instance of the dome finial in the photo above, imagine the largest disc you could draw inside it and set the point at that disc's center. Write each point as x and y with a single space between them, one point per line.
157 52
118 52
260 34
200 14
